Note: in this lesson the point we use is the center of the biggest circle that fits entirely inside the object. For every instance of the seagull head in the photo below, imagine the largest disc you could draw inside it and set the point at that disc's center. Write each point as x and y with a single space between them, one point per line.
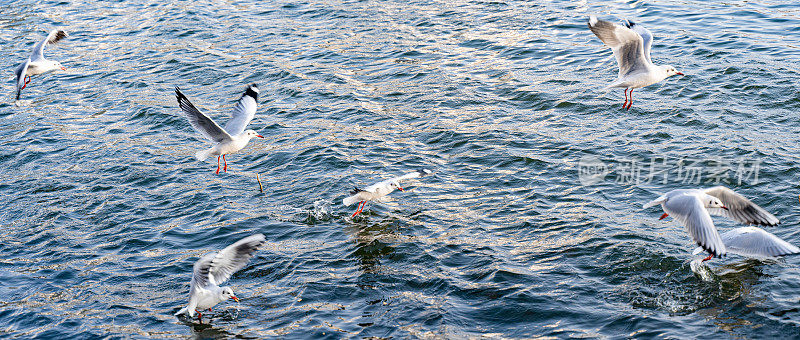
54 65
396 186
227 293
671 71
713 202
250 134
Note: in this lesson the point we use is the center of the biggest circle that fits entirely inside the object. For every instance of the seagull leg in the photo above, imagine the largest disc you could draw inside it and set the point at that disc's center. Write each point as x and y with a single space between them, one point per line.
217 165
663 216
626 98
360 207
226 164
708 258
630 102
199 316
27 80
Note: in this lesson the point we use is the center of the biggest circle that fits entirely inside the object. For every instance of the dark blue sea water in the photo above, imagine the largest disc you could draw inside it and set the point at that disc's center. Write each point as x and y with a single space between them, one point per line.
104 208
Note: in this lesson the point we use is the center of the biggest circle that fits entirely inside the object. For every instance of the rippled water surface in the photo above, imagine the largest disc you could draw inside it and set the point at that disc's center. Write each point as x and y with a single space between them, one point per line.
105 208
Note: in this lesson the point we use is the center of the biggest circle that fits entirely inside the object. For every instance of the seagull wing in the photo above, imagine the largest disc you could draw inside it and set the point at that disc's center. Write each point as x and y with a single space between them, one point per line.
647 37
199 121
740 208
52 38
689 211
627 45
754 241
216 268
20 72
415 174
244 111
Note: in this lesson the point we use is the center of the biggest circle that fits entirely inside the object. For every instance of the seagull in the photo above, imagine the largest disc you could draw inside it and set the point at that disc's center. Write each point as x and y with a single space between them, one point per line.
754 242
214 269
36 63
631 46
234 137
693 207
379 191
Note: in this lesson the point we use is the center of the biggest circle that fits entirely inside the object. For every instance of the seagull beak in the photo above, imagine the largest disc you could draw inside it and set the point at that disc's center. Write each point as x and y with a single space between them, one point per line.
724 207
235 298
663 216
400 188
679 73
259 136
63 68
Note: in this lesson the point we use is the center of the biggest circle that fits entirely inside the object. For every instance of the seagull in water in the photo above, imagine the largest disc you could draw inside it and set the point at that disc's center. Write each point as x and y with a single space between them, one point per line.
214 269
234 137
693 208
631 46
379 192
36 63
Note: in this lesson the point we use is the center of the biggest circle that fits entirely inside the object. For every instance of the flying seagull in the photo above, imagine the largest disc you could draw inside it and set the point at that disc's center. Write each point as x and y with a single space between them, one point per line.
213 269
231 139
631 46
37 64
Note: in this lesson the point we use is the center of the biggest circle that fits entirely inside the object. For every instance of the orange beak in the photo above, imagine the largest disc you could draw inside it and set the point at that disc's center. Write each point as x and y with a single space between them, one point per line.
259 136
235 298
724 207
679 73
63 68
663 216
400 188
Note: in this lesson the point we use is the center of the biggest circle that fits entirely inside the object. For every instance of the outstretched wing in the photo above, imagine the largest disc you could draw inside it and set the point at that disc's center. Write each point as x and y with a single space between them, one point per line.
216 268
20 72
754 241
627 45
647 37
52 38
199 121
690 212
244 111
415 174
740 208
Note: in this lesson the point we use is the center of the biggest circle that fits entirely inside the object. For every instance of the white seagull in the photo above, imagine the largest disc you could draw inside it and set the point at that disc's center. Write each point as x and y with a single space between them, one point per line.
693 207
234 137
379 192
36 63
754 242
631 46
214 269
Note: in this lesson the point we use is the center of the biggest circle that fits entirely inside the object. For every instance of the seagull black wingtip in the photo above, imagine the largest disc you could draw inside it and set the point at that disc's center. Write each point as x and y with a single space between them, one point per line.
252 91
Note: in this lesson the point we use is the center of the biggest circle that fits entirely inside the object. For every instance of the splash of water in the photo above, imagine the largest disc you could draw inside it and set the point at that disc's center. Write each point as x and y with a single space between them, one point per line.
702 270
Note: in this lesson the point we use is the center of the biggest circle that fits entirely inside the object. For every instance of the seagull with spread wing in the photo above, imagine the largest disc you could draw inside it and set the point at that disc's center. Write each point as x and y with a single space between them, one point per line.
379 192
231 139
631 46
693 208
37 63
214 269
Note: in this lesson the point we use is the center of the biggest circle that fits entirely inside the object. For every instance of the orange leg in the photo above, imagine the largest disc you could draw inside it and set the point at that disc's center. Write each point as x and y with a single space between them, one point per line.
217 165
226 163
630 102
199 316
27 80
360 208
708 258
663 216
626 99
